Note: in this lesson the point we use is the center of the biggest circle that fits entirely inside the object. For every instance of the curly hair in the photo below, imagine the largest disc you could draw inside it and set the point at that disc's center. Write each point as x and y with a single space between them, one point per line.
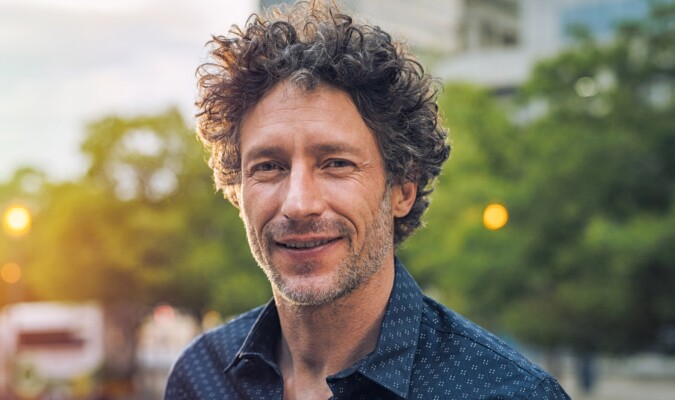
312 43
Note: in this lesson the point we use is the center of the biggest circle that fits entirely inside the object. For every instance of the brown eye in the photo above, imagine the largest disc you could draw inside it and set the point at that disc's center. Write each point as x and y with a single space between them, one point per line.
338 164
268 166
265 170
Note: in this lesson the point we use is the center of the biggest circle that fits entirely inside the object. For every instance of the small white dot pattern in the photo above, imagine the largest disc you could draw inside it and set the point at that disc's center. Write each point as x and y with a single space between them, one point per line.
425 351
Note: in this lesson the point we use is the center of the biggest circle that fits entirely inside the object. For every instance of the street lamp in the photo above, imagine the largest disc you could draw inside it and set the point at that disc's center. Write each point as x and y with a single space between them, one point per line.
495 217
16 220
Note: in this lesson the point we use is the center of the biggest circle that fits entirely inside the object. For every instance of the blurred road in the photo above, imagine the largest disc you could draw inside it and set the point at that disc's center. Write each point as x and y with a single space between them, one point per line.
623 388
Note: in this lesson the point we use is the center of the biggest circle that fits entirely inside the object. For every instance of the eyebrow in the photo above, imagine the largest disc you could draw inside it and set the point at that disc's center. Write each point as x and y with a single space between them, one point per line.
322 149
333 148
264 151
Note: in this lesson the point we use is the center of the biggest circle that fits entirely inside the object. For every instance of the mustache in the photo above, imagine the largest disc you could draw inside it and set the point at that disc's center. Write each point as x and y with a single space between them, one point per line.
329 227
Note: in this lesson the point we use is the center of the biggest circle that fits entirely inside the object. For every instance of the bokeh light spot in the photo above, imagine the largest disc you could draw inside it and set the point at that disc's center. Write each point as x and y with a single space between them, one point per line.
211 320
16 220
10 273
164 314
586 87
495 216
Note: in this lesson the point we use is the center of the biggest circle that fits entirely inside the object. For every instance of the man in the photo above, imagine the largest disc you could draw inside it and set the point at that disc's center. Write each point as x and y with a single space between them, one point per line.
325 134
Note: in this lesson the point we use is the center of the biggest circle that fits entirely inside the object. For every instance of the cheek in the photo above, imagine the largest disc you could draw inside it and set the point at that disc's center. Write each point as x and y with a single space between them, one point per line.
358 204
256 207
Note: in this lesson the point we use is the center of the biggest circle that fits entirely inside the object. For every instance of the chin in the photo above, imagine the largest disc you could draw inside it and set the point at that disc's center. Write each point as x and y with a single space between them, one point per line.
313 291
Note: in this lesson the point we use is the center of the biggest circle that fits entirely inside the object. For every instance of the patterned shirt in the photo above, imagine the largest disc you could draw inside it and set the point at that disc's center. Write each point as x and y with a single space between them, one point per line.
425 351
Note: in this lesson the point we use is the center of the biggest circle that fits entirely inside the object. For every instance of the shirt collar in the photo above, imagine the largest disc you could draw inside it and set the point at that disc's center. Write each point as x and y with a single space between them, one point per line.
389 365
262 339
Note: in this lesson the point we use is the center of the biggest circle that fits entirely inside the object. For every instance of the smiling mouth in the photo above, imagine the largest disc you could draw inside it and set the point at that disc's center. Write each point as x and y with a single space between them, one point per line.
306 245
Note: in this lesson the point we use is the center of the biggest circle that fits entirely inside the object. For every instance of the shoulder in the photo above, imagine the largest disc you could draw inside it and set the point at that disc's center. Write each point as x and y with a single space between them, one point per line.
220 345
451 328
202 362
474 360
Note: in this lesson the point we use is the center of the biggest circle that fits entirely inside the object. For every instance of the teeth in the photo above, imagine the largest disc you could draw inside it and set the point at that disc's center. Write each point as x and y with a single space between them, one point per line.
306 245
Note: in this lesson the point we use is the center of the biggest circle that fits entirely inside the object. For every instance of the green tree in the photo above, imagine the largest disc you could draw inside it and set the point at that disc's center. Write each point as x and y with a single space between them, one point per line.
145 225
443 256
586 259
20 190
597 197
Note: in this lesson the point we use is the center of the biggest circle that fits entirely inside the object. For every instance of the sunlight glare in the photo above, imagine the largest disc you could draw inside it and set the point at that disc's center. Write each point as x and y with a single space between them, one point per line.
16 220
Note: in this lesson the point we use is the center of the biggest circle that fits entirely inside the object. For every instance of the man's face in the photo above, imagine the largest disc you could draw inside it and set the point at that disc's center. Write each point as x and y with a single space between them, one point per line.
313 197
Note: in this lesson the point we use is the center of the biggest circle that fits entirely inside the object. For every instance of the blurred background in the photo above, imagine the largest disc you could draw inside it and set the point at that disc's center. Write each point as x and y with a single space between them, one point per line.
553 223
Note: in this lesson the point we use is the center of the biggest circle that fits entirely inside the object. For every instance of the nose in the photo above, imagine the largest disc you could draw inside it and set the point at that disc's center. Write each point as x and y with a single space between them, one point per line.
303 196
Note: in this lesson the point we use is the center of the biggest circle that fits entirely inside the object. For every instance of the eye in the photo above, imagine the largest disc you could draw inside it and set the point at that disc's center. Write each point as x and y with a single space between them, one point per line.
338 163
266 166
264 170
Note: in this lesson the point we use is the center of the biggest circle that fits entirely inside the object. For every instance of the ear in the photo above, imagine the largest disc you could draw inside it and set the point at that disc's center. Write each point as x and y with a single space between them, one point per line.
402 198
232 194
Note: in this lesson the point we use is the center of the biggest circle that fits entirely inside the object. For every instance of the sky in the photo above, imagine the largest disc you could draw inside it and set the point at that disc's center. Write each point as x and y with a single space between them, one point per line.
64 63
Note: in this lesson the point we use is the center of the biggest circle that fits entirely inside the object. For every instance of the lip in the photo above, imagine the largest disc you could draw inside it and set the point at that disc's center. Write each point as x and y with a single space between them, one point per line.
305 243
297 249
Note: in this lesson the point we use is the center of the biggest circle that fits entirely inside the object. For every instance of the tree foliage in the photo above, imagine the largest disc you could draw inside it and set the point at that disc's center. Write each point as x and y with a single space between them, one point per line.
143 226
587 258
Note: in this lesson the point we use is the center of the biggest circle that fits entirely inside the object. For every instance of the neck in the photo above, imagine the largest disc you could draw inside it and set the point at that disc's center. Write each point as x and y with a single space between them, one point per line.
318 341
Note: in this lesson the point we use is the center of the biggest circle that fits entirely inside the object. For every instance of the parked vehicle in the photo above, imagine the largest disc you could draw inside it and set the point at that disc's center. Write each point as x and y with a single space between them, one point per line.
50 350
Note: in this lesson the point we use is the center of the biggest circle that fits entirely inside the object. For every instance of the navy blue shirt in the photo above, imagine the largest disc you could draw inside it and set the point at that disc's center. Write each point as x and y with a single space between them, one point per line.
425 351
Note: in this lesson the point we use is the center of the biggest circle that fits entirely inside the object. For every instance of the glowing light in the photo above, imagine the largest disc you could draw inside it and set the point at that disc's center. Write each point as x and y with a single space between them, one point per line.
16 220
10 273
495 216
164 314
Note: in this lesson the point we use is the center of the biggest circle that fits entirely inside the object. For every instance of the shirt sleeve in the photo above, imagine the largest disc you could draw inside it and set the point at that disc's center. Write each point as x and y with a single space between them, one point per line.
549 389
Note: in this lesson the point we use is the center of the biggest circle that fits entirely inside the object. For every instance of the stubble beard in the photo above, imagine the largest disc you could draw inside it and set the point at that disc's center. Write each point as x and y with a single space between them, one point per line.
351 273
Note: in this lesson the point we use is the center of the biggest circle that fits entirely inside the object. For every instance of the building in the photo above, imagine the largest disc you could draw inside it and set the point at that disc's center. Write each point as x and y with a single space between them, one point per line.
543 28
429 26
494 43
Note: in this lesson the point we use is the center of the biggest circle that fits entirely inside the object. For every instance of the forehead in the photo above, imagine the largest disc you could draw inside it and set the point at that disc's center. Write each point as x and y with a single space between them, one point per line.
285 99
288 114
